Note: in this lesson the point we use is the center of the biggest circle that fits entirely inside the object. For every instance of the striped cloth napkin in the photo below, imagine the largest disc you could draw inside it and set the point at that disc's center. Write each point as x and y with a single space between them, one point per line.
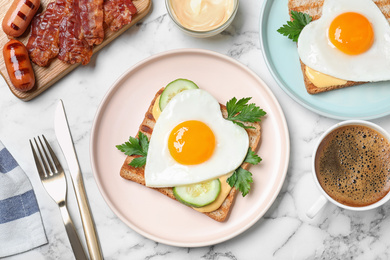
21 227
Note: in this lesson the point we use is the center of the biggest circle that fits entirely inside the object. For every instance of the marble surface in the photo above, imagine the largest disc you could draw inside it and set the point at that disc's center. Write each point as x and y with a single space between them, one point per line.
284 232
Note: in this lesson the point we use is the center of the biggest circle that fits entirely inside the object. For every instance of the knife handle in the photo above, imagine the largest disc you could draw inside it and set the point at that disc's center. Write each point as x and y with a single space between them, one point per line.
91 237
74 239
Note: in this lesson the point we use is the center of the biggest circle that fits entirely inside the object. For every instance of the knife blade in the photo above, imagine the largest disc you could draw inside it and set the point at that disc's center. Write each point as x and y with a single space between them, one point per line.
65 140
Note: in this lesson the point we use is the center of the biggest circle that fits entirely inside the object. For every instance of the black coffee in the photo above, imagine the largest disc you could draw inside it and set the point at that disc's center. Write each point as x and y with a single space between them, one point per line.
353 165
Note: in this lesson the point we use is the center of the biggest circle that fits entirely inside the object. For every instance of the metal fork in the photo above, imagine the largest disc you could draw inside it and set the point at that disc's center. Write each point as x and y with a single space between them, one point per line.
54 181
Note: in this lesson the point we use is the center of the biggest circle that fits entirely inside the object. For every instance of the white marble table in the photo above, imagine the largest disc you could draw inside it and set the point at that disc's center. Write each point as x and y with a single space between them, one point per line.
283 233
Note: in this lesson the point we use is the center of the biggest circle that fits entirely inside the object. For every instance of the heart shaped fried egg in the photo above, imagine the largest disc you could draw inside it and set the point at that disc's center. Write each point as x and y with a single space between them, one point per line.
350 41
192 142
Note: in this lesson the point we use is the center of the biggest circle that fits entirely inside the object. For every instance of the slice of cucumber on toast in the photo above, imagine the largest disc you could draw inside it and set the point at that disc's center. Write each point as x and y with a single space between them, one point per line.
199 194
173 88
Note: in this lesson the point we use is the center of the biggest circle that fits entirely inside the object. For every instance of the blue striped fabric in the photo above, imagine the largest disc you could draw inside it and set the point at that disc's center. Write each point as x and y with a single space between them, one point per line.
11 208
21 227
7 162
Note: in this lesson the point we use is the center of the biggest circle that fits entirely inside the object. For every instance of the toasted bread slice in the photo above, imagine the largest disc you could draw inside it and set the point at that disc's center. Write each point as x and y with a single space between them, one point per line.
314 9
137 174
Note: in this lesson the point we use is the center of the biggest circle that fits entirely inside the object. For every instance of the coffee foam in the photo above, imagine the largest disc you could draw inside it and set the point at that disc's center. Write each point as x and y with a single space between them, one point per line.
353 165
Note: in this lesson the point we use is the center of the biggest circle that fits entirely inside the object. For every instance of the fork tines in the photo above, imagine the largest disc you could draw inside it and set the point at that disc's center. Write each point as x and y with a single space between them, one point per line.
45 163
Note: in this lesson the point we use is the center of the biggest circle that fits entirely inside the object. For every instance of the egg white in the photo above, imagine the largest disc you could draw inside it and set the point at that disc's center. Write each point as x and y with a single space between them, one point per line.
317 52
232 142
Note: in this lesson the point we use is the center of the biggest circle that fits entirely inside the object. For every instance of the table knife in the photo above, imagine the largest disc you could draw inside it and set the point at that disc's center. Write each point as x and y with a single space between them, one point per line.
65 140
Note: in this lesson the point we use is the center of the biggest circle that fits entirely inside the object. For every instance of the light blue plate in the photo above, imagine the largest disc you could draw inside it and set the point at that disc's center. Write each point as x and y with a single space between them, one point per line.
367 101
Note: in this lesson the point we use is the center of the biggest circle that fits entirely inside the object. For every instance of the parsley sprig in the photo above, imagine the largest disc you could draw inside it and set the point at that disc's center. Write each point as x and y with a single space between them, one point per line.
293 28
241 179
240 111
136 147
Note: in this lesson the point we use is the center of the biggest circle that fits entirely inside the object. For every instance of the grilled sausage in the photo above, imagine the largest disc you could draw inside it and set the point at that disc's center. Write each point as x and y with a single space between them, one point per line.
18 65
19 16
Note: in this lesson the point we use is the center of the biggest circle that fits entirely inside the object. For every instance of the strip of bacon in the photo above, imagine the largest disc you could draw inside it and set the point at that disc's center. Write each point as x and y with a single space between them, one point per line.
43 42
91 14
74 47
118 13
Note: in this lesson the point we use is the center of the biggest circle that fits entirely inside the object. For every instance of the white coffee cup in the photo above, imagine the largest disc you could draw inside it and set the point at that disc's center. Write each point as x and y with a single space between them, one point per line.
324 198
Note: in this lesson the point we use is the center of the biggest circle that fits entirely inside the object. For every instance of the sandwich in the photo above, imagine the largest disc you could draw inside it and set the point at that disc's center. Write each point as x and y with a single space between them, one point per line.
341 43
195 150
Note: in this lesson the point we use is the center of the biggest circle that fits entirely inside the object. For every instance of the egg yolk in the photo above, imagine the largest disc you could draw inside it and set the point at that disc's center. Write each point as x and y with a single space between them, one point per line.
191 142
351 33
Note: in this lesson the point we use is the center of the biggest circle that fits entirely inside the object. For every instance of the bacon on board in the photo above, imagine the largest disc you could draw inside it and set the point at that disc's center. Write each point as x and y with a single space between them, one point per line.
91 17
43 42
69 28
118 13
74 48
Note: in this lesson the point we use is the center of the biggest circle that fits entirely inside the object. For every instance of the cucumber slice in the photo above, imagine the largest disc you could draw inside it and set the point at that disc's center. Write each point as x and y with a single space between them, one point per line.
199 194
174 88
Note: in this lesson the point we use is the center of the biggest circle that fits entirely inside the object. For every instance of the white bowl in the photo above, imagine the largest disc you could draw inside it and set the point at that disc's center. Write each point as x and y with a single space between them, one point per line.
202 34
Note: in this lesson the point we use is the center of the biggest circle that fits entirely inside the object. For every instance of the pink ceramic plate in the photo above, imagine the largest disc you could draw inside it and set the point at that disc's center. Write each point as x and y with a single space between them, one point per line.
152 214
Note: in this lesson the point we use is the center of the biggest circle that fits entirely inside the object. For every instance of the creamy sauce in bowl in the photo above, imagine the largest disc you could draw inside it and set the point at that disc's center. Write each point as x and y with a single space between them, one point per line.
202 15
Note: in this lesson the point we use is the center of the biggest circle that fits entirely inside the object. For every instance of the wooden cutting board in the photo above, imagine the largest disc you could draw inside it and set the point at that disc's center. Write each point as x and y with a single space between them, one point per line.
47 76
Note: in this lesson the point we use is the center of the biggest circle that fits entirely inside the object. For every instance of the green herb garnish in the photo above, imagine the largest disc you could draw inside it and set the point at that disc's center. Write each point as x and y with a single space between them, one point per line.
241 179
240 111
252 157
293 28
136 147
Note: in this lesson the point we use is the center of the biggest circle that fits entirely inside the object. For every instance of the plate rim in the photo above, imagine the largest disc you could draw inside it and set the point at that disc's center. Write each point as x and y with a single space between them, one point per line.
104 103
266 56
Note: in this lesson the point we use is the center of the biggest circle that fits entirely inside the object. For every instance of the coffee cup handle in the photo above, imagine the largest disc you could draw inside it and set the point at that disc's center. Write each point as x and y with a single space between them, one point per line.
317 206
